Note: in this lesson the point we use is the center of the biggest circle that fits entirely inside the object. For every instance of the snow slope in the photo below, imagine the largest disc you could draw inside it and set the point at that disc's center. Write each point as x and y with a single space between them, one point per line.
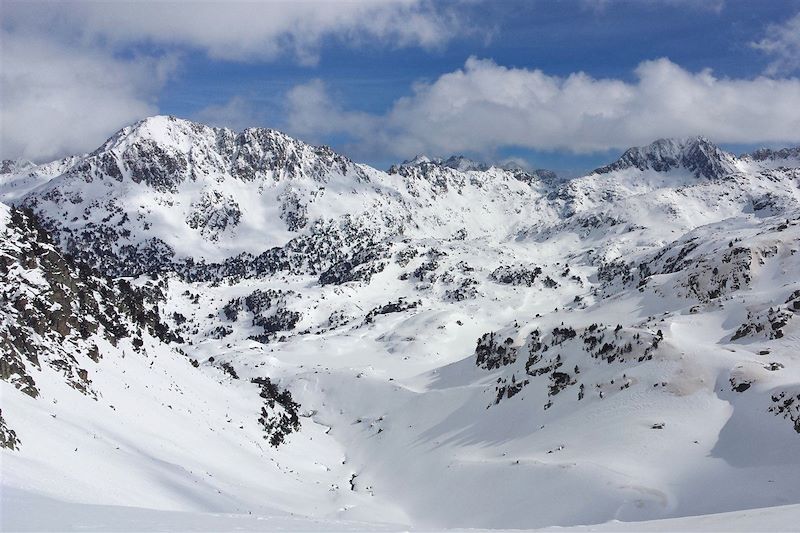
36 513
447 344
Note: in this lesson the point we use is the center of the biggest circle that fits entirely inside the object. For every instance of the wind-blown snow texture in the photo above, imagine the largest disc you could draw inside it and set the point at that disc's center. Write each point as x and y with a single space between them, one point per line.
199 320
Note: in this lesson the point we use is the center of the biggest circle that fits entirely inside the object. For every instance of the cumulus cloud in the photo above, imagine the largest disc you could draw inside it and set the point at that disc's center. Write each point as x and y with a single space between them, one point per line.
74 72
485 106
313 113
249 30
237 113
58 99
782 42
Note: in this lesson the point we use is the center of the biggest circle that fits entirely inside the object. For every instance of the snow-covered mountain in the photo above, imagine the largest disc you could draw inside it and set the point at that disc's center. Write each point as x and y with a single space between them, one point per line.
166 189
699 156
445 344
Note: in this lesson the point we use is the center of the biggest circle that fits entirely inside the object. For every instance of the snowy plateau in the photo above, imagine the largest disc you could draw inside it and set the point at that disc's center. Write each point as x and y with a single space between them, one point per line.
209 330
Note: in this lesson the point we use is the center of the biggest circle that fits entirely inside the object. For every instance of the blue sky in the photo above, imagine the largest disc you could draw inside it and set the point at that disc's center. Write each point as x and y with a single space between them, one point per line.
376 94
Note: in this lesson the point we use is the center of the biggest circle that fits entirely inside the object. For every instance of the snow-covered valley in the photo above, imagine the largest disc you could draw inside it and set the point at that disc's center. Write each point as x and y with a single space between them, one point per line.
242 331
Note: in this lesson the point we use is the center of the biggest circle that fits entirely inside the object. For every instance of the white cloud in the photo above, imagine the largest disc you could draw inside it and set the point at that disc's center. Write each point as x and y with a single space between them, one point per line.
715 6
249 30
237 113
312 113
485 106
58 99
74 72
70 77
782 42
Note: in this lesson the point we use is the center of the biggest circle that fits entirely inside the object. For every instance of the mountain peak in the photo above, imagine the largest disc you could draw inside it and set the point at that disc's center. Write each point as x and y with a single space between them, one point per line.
459 162
163 130
169 131
768 154
419 159
164 125
696 154
9 166
456 162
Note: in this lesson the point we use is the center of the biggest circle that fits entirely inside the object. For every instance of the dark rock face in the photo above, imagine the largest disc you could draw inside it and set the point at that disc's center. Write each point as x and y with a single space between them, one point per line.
337 251
152 164
53 309
700 272
615 272
766 154
450 174
697 155
465 289
399 306
279 415
425 164
344 248
293 211
269 312
256 150
516 275
558 382
405 255
424 271
8 437
248 155
492 353
428 167
106 246
229 369
8 166
584 225
786 404
768 324
213 214
547 355
740 386
360 265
